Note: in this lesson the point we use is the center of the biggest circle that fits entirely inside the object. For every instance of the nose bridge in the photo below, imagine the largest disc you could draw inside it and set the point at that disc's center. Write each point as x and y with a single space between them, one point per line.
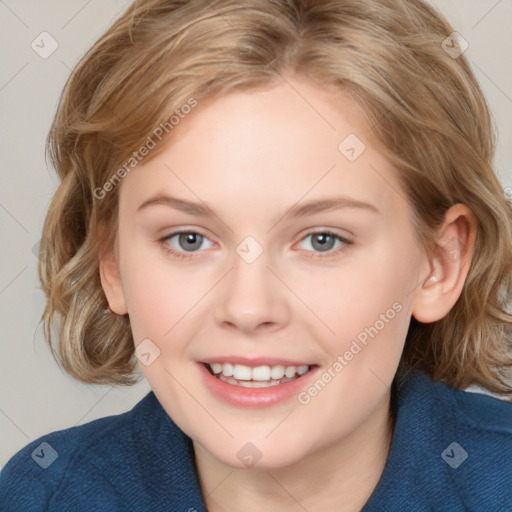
252 295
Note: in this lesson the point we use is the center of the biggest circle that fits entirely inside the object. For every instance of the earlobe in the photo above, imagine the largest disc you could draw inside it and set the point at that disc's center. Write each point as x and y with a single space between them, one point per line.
449 266
111 283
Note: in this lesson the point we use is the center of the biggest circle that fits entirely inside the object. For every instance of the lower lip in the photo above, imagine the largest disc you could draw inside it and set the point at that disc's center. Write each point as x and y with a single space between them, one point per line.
255 397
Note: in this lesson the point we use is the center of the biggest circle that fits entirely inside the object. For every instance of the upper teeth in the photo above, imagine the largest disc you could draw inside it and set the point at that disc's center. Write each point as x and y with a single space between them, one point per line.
241 372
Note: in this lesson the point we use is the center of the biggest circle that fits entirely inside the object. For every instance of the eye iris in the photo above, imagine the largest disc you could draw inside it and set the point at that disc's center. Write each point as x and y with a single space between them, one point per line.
322 238
193 238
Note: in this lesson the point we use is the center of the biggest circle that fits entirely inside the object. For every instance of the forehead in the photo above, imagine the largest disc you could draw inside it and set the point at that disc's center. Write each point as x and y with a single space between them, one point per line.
267 147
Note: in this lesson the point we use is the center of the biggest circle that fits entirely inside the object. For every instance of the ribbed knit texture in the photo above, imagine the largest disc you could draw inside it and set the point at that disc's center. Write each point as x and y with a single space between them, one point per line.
141 461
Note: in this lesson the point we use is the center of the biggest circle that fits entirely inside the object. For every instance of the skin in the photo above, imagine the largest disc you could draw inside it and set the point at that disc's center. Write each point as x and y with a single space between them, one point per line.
249 156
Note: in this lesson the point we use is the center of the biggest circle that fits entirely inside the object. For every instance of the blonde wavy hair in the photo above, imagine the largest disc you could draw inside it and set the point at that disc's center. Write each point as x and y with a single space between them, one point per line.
423 104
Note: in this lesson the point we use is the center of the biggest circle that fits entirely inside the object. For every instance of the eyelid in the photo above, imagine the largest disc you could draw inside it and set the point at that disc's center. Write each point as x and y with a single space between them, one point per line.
324 231
195 231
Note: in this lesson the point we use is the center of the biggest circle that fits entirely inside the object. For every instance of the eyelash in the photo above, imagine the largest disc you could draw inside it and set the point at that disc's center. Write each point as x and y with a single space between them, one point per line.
183 255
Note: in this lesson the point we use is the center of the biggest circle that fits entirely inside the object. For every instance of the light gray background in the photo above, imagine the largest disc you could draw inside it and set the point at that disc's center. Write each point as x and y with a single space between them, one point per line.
36 397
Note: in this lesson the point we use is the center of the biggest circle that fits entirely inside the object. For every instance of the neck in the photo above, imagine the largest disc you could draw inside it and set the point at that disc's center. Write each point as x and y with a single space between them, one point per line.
340 476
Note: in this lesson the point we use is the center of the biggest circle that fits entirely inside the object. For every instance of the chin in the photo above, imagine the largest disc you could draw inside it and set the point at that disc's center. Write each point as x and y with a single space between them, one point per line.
253 455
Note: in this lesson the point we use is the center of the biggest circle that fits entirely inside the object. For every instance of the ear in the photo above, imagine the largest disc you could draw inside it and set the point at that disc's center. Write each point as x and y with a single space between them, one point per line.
111 282
449 266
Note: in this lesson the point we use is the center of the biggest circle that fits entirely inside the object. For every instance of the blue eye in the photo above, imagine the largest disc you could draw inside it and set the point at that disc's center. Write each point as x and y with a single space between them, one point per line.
188 242
325 241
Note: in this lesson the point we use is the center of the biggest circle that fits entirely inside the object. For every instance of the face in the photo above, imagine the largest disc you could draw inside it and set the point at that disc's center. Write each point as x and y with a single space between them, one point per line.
236 278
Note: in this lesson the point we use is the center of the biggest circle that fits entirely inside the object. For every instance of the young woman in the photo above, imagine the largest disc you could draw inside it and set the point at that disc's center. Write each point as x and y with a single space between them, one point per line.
286 213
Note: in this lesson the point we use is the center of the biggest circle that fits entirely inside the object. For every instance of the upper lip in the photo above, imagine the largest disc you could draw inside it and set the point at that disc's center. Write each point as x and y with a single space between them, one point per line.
254 361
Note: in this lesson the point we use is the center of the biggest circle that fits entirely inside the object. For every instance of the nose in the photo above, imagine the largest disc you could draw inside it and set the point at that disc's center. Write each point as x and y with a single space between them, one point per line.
252 298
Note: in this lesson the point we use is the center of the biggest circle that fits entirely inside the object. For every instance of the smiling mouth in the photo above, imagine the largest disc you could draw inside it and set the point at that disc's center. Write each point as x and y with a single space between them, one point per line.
257 376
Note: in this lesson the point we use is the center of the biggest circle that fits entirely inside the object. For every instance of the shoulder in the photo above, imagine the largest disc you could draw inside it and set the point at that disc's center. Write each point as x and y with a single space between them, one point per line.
35 474
479 413
469 436
451 450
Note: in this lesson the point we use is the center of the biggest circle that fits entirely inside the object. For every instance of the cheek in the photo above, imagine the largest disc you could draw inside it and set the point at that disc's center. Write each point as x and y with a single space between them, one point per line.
154 294
366 298
368 281
338 301
158 301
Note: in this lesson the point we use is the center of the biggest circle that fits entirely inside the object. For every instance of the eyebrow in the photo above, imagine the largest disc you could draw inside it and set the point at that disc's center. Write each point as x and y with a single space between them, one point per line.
296 210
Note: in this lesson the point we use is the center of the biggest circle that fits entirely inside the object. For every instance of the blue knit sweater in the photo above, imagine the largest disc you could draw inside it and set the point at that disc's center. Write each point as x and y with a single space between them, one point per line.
451 451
